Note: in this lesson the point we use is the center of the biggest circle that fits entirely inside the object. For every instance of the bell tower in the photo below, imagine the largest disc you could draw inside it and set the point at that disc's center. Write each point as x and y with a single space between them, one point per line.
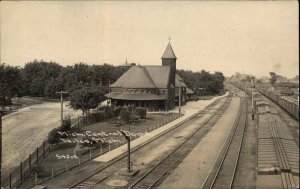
169 59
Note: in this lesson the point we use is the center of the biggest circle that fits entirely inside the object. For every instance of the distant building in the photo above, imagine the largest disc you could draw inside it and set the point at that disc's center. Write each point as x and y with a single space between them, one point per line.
126 64
153 87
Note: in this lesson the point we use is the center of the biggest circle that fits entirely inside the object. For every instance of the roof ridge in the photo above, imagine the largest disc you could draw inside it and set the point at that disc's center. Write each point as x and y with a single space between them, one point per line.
149 77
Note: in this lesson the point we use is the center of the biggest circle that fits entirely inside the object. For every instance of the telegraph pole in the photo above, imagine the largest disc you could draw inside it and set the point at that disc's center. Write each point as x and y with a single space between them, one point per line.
108 85
62 104
179 100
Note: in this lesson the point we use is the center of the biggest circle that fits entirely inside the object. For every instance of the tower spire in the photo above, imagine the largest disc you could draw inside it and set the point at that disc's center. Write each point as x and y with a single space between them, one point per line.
169 53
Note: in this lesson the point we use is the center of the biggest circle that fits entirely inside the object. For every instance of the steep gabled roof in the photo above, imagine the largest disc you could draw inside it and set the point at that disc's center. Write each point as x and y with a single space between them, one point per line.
135 77
144 77
169 53
147 77
160 75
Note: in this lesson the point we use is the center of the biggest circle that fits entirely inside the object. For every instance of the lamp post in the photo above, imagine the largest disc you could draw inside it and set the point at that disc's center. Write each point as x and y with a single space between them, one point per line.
62 104
128 142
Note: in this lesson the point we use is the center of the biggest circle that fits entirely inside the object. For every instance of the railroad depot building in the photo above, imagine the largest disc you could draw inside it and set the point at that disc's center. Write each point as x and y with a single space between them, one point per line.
152 87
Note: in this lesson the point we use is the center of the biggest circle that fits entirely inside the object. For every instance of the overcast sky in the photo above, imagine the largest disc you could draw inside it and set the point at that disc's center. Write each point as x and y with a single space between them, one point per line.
247 37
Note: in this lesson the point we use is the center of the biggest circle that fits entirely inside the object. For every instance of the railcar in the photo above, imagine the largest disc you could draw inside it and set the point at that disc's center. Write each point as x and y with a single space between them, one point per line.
290 105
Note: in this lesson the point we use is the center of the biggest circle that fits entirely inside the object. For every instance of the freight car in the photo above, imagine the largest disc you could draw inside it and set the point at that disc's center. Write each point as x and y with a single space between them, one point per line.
288 104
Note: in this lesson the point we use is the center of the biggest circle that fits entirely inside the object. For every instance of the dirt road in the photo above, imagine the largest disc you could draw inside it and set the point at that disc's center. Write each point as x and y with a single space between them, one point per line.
25 130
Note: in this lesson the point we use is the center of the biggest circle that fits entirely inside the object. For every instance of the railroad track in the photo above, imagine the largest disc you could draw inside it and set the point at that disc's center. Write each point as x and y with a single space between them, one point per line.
287 178
223 173
100 175
162 169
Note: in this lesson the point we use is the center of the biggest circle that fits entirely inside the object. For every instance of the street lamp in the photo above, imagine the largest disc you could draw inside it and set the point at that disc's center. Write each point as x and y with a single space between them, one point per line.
128 152
62 106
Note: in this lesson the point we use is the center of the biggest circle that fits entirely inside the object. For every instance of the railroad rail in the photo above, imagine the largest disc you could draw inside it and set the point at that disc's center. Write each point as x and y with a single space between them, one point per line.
223 173
100 175
288 181
163 168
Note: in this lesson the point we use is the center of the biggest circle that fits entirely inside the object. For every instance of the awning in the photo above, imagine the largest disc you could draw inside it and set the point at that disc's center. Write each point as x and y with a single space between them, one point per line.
135 96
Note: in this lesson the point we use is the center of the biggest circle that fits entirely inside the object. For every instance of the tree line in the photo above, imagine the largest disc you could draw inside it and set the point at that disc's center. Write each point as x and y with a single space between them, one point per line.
85 83
203 82
44 79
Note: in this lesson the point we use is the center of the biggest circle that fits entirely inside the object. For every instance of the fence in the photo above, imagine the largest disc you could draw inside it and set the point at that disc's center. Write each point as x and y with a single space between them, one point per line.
29 173
26 168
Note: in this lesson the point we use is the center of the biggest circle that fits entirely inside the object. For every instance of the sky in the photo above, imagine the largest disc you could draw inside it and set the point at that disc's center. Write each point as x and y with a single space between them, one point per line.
251 37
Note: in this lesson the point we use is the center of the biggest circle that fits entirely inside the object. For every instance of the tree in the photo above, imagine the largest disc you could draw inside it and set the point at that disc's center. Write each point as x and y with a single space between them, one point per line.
85 97
52 86
10 83
273 78
203 82
37 73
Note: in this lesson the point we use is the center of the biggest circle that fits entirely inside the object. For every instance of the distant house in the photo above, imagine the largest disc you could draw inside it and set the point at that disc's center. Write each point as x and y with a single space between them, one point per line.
153 87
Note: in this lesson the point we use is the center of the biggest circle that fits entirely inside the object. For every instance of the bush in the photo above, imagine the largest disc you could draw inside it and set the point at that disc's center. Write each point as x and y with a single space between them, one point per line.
117 110
54 136
66 125
90 143
140 112
125 115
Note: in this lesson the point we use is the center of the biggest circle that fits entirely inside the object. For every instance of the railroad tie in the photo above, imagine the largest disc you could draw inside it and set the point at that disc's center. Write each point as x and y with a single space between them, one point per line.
288 181
280 153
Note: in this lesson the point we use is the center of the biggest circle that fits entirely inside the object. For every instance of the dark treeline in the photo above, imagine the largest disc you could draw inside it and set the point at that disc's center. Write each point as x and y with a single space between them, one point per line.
203 83
44 79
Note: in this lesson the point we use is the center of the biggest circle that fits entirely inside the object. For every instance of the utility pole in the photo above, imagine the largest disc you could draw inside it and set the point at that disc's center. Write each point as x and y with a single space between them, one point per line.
252 98
108 92
62 105
179 100
108 85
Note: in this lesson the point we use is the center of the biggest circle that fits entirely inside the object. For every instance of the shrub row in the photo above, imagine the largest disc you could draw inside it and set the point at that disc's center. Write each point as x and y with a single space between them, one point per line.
103 114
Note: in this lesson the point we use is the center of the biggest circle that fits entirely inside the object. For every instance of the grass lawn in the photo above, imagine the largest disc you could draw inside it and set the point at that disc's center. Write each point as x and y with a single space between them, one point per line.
106 126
